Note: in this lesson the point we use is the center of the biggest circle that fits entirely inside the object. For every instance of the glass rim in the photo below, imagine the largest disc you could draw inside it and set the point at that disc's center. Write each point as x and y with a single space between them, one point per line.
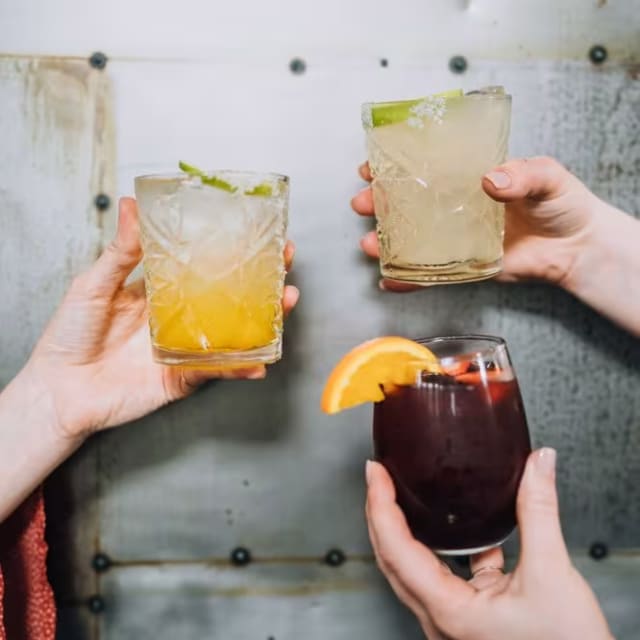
493 342
471 95
182 176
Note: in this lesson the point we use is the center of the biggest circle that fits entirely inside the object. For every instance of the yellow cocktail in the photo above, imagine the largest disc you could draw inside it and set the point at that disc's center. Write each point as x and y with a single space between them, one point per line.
214 268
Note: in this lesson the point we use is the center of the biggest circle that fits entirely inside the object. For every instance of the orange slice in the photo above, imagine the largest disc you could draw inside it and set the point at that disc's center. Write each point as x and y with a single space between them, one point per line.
361 374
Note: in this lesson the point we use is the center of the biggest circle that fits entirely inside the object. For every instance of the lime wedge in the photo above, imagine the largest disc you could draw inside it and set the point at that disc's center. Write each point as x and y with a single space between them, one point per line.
211 181
263 189
383 113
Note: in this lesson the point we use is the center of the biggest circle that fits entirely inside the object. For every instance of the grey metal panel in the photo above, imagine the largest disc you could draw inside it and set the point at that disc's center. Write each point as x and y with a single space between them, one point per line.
52 163
257 463
284 602
288 602
257 31
55 155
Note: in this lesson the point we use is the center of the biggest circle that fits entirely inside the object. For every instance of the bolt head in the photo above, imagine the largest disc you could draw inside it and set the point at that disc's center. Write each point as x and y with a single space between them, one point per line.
95 604
297 66
335 557
458 64
98 60
102 202
598 54
598 550
240 557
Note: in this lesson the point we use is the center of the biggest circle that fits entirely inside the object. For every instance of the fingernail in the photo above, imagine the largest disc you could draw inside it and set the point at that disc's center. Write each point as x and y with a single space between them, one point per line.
499 179
367 471
545 461
294 293
258 374
381 285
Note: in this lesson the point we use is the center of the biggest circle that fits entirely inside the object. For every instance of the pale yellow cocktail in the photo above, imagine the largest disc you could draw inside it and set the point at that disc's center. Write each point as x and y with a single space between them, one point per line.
214 267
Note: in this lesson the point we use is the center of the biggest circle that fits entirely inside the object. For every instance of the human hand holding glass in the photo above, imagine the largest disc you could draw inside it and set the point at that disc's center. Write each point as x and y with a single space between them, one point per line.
548 211
557 231
92 368
544 597
95 357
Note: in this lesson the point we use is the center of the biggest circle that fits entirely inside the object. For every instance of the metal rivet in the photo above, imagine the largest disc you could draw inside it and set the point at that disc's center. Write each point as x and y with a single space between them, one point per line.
240 556
335 557
458 64
95 604
98 60
298 66
384 62
598 54
102 201
101 562
598 550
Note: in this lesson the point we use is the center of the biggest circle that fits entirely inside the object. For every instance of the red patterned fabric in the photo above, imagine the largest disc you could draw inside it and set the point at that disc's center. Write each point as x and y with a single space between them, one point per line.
27 607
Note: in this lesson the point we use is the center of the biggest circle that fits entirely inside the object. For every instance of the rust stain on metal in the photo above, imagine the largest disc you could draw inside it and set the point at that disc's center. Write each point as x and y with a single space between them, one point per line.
291 591
633 70
66 95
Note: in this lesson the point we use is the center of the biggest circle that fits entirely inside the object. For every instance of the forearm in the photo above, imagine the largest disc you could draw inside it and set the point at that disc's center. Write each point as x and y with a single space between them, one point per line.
606 272
31 442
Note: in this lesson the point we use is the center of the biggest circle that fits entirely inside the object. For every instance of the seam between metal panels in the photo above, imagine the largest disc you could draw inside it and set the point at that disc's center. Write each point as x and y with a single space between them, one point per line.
612 61
217 561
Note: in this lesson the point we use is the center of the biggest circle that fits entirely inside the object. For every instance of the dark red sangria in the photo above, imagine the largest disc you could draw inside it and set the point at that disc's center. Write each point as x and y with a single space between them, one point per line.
455 444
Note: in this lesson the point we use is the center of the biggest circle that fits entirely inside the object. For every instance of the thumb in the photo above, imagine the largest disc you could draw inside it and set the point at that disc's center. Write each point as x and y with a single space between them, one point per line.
538 516
537 179
121 256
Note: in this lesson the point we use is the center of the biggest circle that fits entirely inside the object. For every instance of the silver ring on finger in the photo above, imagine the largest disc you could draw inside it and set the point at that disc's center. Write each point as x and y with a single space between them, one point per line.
486 569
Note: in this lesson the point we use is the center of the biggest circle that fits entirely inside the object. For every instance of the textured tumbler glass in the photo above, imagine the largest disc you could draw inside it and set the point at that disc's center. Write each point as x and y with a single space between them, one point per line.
427 157
214 266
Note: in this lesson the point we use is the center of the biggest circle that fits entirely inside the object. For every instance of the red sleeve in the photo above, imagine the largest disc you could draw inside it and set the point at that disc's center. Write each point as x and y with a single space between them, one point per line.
27 606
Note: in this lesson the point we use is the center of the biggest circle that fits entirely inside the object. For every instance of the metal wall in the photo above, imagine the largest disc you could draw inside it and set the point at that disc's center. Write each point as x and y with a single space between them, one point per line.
255 464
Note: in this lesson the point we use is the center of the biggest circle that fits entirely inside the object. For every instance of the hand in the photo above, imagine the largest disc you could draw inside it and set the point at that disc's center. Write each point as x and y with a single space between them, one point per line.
544 597
548 219
95 360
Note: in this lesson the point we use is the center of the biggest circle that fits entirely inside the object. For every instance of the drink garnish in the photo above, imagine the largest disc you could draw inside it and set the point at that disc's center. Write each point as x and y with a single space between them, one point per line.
211 181
413 112
263 189
364 373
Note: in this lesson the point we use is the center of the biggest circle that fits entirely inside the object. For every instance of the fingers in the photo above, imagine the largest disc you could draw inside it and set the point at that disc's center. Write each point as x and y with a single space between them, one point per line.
289 253
194 378
398 287
290 298
487 567
121 256
402 558
365 172
490 560
369 244
538 178
538 516
362 202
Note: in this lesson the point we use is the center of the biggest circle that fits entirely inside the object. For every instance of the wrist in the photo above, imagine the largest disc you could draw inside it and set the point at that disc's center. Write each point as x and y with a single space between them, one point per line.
36 388
606 273
32 442
594 246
